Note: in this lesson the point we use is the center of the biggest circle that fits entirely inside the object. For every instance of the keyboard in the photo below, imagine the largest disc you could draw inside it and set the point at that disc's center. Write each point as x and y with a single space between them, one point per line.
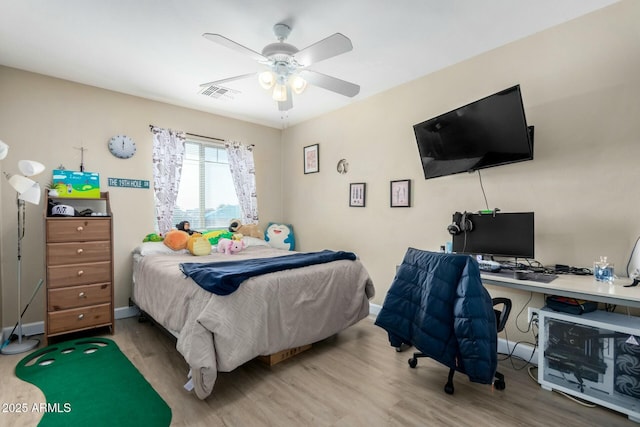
491 266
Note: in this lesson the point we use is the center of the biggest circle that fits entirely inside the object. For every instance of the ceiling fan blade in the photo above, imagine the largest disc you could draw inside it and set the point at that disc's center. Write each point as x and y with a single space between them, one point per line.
222 40
288 104
227 80
330 83
331 46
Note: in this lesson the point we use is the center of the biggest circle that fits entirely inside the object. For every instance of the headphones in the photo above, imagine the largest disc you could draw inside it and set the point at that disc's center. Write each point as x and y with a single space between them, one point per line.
461 223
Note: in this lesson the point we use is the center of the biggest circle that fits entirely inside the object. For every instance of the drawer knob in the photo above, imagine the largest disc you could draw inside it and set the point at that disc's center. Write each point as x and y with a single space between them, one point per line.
80 316
80 250
80 228
82 295
80 272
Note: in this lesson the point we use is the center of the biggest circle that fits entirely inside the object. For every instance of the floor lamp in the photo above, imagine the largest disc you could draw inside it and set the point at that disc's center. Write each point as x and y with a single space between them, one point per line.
28 191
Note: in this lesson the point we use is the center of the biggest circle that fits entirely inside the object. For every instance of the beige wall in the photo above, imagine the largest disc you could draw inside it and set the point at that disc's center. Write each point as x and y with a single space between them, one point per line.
43 119
581 90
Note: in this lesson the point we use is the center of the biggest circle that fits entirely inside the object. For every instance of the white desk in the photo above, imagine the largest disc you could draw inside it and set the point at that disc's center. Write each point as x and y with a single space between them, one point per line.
572 286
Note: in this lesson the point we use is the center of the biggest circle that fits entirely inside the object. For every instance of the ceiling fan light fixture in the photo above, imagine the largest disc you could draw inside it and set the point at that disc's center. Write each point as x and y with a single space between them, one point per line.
297 83
266 79
286 64
280 93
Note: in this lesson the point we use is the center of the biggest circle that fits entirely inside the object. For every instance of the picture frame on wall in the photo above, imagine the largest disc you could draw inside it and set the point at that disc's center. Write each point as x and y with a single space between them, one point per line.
312 158
400 193
357 194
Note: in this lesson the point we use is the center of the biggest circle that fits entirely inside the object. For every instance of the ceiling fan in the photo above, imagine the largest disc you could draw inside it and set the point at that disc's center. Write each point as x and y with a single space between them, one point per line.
287 66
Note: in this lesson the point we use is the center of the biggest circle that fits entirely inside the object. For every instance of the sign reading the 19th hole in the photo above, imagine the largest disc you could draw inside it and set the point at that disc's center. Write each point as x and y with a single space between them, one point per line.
130 183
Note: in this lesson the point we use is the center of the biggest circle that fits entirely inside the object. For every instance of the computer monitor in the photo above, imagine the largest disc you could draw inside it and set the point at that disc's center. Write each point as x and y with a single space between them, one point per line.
498 234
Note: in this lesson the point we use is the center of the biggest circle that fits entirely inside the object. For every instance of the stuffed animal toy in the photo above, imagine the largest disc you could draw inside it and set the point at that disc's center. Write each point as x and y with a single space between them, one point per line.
185 226
215 235
198 245
176 239
251 230
153 237
230 246
280 236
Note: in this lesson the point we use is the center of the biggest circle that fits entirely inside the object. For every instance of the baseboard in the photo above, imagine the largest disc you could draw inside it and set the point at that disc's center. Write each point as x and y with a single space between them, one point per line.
124 312
37 328
523 351
374 309
28 329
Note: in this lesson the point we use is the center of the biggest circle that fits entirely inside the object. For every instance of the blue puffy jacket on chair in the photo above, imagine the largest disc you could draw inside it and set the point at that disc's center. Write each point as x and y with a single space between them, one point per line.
438 304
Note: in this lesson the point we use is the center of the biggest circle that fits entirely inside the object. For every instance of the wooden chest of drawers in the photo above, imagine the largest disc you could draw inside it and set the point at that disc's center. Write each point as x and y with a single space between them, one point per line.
79 270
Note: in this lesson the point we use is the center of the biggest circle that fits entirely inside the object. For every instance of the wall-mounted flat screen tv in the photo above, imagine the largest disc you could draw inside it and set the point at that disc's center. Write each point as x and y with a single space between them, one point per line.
489 132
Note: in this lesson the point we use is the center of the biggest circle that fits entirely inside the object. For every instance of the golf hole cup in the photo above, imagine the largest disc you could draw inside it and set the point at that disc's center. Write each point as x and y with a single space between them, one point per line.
603 270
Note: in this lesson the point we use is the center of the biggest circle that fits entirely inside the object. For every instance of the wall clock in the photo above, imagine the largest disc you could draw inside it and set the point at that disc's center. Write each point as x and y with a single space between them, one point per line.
122 146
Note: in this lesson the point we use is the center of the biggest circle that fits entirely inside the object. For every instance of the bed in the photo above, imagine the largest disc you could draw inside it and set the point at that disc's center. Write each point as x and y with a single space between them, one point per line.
266 314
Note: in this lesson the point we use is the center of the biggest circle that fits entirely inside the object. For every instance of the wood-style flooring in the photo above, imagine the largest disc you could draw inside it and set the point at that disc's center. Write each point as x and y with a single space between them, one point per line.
352 379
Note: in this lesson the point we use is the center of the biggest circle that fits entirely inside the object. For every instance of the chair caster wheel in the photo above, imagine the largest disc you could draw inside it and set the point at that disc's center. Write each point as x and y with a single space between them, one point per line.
413 362
499 385
448 388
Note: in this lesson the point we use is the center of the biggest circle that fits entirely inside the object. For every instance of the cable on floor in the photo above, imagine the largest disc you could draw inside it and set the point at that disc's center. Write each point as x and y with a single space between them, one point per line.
562 393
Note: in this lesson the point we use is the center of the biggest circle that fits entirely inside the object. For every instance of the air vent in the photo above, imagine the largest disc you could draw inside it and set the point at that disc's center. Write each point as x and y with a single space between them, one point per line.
219 92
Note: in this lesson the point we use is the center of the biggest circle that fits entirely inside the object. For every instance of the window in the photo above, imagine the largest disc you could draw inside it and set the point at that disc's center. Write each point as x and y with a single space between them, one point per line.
206 197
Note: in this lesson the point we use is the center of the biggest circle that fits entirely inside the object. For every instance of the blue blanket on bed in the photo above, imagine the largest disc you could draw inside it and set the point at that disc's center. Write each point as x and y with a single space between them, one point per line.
223 278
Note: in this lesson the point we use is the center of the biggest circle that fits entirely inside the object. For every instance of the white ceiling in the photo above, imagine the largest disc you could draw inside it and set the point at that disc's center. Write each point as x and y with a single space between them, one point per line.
155 49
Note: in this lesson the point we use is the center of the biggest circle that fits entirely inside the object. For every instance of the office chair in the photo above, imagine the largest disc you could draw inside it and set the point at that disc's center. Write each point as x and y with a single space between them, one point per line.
502 315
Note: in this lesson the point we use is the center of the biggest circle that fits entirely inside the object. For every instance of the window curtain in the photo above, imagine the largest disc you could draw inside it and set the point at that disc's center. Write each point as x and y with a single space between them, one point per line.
168 152
243 173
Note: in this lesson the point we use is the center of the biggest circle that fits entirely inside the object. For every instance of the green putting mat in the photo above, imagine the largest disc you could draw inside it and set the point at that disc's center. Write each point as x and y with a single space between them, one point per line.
90 382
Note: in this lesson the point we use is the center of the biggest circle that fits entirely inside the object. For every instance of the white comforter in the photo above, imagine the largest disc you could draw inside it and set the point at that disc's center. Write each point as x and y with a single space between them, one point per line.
267 313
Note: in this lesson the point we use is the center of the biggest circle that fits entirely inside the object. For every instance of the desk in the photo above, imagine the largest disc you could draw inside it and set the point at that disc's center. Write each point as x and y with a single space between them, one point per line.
572 286
602 390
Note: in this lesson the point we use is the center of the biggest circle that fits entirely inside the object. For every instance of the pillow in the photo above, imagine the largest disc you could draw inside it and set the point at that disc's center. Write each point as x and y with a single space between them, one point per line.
155 248
280 236
253 241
